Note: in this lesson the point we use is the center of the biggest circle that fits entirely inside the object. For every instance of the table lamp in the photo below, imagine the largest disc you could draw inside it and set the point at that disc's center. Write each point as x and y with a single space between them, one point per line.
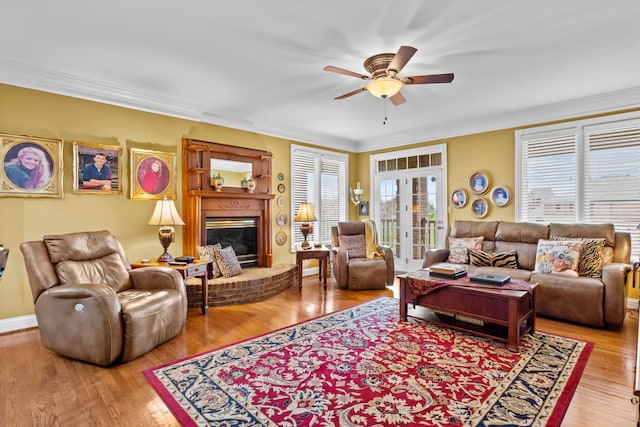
305 216
166 215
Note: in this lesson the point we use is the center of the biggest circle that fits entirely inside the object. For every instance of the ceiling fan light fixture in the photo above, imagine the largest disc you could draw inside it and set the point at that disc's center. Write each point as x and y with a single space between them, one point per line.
384 87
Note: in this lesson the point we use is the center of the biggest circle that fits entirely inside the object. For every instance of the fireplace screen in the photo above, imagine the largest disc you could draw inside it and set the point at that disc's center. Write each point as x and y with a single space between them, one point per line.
239 233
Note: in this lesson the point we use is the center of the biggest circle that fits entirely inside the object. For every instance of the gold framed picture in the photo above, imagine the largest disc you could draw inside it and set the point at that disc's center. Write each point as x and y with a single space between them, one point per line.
501 196
97 168
153 175
480 207
30 166
459 198
479 182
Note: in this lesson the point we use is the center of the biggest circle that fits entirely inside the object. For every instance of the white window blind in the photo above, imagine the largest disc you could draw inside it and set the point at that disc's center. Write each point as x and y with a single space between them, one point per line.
318 177
588 173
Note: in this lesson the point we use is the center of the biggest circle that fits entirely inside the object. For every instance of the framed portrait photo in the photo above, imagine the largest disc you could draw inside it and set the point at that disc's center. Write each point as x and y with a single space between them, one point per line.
153 175
478 182
30 166
97 168
480 208
363 209
459 198
501 196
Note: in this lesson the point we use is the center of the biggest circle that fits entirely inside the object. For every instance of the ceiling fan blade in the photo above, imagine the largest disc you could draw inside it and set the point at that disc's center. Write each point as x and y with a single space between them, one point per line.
333 69
403 56
431 78
398 99
354 92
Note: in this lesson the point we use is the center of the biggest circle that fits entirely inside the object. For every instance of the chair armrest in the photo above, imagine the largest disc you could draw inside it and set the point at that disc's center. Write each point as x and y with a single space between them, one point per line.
340 266
387 254
434 256
614 278
156 277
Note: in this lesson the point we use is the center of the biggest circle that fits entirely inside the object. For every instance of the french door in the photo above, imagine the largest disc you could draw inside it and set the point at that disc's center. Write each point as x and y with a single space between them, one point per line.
409 213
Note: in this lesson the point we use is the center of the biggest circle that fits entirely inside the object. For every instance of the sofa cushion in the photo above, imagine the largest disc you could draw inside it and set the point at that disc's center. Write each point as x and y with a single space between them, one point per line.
355 245
458 247
558 256
590 262
209 253
489 259
486 229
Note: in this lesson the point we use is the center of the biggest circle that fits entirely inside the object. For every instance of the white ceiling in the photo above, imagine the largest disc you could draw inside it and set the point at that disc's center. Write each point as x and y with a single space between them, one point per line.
258 65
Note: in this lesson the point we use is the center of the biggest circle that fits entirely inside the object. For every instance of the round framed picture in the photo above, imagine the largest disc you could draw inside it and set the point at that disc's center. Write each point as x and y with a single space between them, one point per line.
280 176
281 219
281 238
501 196
478 182
281 201
480 208
281 188
459 198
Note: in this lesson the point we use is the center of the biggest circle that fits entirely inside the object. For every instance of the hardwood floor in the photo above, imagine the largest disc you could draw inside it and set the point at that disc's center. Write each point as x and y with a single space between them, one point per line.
40 388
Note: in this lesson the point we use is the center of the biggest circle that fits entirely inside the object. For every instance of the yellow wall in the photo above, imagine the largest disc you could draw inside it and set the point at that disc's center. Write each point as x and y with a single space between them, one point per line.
24 111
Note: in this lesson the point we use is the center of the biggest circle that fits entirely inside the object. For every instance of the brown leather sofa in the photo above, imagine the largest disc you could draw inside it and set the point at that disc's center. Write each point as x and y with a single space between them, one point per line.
360 272
91 306
592 301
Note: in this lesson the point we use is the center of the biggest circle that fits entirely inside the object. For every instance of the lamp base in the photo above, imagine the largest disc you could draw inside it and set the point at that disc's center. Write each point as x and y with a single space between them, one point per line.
305 245
166 235
165 257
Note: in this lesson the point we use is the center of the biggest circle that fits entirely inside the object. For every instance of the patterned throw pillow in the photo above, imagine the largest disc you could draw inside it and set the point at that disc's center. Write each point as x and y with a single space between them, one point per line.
558 256
228 262
488 259
209 253
355 245
591 257
458 247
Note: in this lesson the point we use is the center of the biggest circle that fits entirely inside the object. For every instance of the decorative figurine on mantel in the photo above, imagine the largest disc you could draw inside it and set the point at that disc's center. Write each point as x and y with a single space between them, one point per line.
251 185
217 182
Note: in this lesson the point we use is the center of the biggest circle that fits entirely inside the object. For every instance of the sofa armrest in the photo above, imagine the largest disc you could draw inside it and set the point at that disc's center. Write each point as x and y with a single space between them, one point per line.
387 254
340 264
434 256
614 277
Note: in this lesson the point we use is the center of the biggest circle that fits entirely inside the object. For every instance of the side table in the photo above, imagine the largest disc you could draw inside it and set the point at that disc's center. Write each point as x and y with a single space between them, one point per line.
321 254
198 268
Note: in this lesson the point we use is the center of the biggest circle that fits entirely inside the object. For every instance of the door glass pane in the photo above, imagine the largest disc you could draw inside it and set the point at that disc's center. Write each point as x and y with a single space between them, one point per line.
423 215
390 214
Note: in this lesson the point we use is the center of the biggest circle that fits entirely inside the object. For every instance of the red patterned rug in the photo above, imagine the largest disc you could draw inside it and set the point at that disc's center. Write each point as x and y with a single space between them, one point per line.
364 367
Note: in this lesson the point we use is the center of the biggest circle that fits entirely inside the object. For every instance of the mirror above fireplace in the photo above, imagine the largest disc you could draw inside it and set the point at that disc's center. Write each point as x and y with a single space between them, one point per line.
232 171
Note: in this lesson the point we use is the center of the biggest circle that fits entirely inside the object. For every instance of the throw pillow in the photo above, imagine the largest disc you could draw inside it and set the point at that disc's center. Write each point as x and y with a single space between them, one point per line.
458 247
355 245
488 259
591 257
228 262
557 256
209 253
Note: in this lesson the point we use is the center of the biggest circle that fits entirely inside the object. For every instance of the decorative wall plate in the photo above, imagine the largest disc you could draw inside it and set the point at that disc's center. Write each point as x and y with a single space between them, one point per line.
281 188
480 208
459 198
479 182
501 196
281 219
281 201
281 238
280 176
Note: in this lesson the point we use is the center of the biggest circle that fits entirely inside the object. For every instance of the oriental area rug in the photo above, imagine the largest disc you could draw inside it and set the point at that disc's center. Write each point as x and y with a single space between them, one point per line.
364 367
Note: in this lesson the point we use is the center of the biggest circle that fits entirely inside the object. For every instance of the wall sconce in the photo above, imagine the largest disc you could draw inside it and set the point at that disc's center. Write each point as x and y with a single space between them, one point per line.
166 215
356 195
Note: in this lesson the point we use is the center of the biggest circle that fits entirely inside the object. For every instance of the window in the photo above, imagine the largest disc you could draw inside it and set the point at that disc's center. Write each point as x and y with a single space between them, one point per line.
318 177
585 171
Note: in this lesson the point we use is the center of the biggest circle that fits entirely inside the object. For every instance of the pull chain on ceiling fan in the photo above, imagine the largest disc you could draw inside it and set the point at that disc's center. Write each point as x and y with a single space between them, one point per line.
383 69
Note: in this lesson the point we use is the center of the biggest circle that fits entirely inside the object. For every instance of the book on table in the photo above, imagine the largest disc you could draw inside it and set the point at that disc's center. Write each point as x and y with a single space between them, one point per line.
445 269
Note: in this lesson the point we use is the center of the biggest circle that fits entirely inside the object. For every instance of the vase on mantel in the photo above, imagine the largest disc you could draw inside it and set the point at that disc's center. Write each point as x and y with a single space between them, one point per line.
251 185
217 182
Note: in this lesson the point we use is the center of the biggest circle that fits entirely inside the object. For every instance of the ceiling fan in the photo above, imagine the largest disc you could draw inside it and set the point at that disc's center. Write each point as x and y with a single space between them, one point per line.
384 69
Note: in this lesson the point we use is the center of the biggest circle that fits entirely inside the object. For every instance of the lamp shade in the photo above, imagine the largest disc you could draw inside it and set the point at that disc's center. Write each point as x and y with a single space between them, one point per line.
165 213
305 213
384 87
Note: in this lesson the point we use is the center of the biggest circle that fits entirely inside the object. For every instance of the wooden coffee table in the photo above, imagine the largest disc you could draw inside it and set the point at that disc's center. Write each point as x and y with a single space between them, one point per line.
504 315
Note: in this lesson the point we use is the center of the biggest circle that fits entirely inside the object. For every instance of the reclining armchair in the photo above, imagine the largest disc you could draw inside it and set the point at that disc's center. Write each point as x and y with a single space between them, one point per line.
91 306
353 267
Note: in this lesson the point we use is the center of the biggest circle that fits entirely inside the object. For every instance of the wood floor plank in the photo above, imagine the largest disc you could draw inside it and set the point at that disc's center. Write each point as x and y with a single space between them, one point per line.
40 388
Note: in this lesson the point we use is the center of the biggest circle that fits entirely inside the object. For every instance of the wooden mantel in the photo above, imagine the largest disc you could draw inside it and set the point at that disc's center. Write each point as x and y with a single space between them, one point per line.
200 200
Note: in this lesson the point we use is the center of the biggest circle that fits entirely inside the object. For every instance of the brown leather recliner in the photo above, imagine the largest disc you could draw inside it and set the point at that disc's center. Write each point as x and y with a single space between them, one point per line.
359 272
91 306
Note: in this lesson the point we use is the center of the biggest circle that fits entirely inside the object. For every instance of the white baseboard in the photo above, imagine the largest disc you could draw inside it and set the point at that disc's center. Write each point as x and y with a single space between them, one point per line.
18 323
632 303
